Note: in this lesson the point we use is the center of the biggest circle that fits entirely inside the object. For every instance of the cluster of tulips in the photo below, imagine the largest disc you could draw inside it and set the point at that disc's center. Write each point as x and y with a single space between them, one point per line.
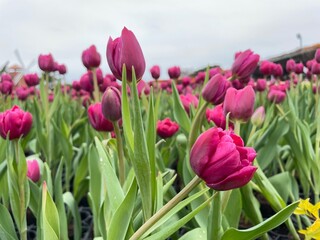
154 160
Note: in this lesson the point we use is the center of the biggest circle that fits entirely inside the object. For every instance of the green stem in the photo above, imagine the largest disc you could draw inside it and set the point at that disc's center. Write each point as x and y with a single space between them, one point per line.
122 169
166 208
215 219
196 124
96 92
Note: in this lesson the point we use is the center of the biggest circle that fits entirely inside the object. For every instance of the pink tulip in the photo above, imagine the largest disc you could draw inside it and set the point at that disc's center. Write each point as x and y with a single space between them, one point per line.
111 104
317 55
22 93
266 68
167 128
220 158
277 70
91 58
15 123
97 120
261 85
258 116
276 96
62 69
215 90
31 79
290 65
174 72
33 170
46 62
299 68
188 100
125 50
217 116
155 72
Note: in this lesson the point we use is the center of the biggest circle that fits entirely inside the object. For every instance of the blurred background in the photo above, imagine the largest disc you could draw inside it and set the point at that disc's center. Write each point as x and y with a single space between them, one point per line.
191 34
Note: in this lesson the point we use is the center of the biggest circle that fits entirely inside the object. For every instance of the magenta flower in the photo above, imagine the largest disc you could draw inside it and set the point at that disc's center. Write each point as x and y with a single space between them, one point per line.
15 123
22 93
215 90
31 79
261 85
266 68
220 158
258 116
62 69
299 68
167 128
290 65
217 116
111 104
244 65
91 58
187 100
97 120
174 72
155 72
317 55
277 70
240 103
125 50
46 62
276 96
33 172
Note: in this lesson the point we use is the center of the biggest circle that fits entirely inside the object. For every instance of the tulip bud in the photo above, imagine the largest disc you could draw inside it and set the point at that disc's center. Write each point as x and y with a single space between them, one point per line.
97 120
258 116
155 72
317 55
244 65
266 68
174 72
33 170
290 65
215 90
217 116
6 77
62 69
261 85
31 79
277 70
22 93
214 71
15 123
86 82
6 87
125 50
187 100
167 128
276 96
299 68
315 68
91 58
46 63
111 104
186 81
76 85
240 103
221 159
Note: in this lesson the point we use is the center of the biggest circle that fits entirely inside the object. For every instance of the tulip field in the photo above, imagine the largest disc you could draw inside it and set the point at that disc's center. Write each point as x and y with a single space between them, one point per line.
218 155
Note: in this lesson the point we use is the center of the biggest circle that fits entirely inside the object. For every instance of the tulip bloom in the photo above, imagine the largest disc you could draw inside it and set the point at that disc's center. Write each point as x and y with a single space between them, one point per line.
155 72
276 96
315 68
261 85
240 103
31 79
186 81
317 55
244 65
76 85
167 128
125 50
220 158
91 58
277 70
6 77
97 120
266 68
62 69
22 93
46 62
187 100
217 116
299 68
15 123
6 87
33 172
174 72
215 90
290 65
111 104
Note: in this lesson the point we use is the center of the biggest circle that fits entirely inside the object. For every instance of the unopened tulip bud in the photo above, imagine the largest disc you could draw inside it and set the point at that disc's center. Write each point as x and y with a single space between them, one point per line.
6 87
266 68
188 100
215 90
155 72
276 96
167 128
31 79
62 69
174 72
33 170
290 65
97 120
317 55
91 58
277 70
258 116
261 85
6 77
299 68
315 68
46 63
111 104
240 103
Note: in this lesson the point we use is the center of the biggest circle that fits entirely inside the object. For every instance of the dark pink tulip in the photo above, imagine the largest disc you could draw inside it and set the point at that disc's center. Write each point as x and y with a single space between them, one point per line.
125 50
200 77
31 79
32 90
46 62
143 87
217 116
258 116
299 68
167 128
6 77
280 87
237 84
86 82
33 172
214 71
215 90
261 85
15 123
180 88
186 80
86 100
244 65
317 55
111 76
310 63
277 70
62 69
97 120
91 58
6 87
290 65
188 100
174 72
111 104
276 96
105 84
22 93
51 97
266 68
155 72
240 103
76 85
315 68
220 158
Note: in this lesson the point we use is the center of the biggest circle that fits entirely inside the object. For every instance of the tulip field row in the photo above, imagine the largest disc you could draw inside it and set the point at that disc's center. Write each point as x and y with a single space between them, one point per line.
217 156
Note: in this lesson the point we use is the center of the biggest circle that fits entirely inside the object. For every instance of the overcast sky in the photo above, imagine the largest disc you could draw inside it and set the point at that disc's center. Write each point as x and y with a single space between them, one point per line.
189 33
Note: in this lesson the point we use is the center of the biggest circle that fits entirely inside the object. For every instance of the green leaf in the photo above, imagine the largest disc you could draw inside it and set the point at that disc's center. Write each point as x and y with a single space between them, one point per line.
122 217
179 113
260 229
72 204
49 216
234 208
7 230
197 233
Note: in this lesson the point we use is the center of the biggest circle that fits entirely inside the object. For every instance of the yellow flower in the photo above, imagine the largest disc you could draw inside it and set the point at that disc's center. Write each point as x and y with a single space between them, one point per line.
312 232
305 207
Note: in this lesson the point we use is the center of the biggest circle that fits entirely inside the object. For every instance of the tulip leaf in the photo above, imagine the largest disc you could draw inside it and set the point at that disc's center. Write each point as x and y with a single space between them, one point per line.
197 233
179 112
7 230
72 204
260 229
